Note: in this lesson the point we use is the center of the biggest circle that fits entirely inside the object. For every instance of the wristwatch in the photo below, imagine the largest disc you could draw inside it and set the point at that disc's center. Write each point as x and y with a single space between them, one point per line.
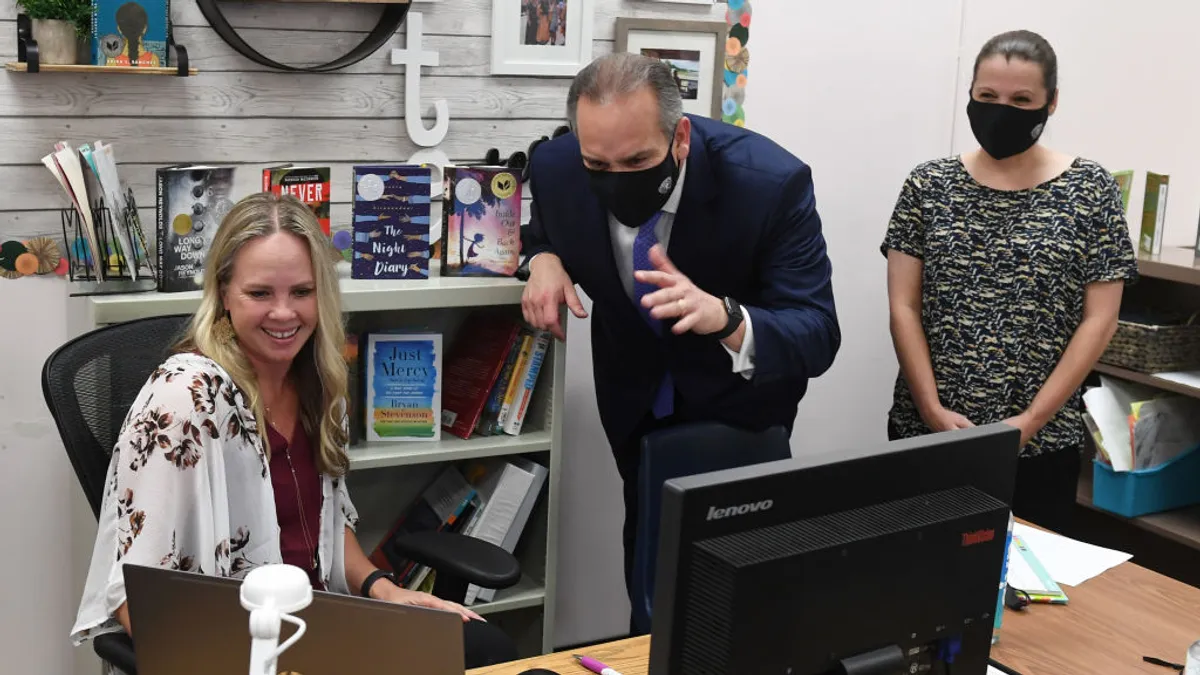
372 578
734 311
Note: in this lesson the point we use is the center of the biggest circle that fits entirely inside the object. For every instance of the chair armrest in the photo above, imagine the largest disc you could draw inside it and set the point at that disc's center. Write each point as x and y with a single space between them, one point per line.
116 649
474 560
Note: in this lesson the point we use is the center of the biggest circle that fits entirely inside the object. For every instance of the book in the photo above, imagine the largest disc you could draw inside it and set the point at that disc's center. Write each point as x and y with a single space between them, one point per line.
526 382
391 222
1125 184
309 184
472 366
1026 573
481 214
403 399
191 202
513 535
489 419
1154 213
130 33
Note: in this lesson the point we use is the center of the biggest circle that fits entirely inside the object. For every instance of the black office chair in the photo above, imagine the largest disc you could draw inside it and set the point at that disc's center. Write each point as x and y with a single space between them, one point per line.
686 450
89 384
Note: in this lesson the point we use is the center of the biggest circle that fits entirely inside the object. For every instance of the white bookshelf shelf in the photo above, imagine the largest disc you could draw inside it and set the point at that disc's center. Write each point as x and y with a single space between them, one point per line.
358 295
527 593
450 449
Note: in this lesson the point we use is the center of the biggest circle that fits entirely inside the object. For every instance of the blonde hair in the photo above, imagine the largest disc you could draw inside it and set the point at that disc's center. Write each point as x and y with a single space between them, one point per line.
319 369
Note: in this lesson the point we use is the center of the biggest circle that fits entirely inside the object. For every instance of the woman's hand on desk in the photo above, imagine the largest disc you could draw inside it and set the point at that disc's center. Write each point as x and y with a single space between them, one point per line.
401 596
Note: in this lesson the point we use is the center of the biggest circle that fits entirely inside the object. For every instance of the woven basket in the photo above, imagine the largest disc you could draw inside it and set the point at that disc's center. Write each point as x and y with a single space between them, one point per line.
1154 349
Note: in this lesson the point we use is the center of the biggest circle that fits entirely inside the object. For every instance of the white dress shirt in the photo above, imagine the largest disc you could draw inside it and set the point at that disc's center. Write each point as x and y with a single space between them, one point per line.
622 241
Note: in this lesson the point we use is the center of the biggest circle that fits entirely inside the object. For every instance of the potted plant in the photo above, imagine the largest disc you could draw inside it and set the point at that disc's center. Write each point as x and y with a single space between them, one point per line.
58 27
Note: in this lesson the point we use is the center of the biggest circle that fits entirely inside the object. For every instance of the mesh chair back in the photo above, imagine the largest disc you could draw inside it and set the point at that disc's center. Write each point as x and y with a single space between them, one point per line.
89 384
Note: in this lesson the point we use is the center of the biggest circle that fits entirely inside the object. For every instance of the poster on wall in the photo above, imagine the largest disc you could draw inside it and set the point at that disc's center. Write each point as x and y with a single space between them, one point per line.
541 37
693 50
737 62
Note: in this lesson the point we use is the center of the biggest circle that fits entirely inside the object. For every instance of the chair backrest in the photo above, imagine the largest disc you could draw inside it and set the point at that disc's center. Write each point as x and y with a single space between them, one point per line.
687 450
89 384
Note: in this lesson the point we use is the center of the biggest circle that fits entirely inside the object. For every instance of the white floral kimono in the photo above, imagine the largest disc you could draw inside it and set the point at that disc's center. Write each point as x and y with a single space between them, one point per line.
189 488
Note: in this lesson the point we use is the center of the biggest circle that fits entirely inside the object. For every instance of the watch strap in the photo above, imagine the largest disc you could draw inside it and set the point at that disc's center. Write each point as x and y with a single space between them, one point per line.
732 310
372 578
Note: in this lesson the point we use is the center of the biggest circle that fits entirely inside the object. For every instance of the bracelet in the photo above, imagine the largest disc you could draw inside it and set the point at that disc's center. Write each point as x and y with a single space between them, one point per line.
365 591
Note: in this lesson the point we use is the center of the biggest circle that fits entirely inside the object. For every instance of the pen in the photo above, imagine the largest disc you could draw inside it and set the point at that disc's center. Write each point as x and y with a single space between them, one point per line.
594 665
1161 662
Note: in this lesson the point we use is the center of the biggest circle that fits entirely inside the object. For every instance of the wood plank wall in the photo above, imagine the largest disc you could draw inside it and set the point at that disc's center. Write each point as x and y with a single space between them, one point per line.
236 111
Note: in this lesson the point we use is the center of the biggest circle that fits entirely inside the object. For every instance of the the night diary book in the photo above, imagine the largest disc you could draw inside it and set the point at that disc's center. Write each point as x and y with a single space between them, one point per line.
130 33
481 216
404 387
391 222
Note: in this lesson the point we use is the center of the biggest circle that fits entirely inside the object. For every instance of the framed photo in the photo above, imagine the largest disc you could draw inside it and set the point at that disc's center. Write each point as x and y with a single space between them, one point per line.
541 37
694 50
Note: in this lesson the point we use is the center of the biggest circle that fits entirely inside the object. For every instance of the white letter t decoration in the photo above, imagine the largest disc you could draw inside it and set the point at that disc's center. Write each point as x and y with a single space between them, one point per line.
412 58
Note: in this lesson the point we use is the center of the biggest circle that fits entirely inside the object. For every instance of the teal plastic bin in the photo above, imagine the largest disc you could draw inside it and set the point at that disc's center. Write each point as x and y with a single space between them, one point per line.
1171 485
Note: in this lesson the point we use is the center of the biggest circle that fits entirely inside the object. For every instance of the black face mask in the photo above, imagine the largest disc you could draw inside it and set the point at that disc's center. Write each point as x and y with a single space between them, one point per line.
1005 130
634 196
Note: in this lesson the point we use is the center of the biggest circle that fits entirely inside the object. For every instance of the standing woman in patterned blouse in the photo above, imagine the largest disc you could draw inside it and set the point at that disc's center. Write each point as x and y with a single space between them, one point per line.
233 455
1006 267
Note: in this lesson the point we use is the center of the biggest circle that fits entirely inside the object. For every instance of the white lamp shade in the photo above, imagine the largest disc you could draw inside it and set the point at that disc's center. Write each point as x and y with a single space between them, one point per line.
285 588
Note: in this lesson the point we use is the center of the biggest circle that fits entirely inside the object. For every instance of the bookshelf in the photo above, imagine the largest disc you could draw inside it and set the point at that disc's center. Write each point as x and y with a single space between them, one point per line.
385 477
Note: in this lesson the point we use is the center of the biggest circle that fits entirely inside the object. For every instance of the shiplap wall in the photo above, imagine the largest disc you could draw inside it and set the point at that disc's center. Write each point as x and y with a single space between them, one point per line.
235 111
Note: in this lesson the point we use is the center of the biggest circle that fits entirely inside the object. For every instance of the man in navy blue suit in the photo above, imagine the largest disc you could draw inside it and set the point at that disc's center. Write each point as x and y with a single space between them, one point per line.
701 249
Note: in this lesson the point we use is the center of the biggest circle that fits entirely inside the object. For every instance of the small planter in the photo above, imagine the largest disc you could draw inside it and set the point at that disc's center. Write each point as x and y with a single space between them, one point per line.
56 40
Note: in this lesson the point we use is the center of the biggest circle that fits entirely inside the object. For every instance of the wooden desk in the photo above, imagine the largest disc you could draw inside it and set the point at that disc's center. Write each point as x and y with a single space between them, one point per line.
1111 622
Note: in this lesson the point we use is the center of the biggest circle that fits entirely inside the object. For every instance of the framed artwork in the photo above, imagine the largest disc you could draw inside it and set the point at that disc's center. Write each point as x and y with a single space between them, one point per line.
694 50
541 37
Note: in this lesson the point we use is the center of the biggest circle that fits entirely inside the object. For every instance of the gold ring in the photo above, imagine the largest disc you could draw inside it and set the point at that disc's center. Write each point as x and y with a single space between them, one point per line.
680 301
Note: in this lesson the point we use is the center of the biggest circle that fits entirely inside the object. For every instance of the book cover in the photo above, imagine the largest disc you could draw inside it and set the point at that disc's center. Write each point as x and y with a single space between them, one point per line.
520 405
472 366
481 222
130 33
1125 183
309 184
391 222
1154 213
191 203
404 387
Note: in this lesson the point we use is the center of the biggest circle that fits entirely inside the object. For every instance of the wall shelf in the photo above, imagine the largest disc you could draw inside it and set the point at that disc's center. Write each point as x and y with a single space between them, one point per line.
28 60
19 67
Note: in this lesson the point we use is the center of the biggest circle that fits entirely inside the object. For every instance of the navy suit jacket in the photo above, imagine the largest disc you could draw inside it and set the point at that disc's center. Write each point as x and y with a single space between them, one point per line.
747 227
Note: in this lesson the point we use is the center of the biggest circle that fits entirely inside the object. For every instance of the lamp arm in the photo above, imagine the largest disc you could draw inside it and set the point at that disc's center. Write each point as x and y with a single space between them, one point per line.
300 628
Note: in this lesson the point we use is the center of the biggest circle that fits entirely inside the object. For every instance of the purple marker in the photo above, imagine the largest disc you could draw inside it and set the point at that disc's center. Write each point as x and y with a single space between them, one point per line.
594 665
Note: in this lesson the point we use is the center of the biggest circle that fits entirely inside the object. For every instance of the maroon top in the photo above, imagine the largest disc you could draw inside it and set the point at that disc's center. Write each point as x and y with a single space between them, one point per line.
297 486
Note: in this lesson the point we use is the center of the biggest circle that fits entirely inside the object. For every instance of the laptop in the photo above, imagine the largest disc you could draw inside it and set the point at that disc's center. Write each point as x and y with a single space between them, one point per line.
186 623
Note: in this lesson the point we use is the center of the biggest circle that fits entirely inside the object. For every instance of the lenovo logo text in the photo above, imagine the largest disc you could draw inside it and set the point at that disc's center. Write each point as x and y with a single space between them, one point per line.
740 510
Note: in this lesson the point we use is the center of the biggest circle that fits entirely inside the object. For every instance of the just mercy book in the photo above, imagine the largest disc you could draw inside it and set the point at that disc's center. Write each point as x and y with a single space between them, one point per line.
391 222
404 387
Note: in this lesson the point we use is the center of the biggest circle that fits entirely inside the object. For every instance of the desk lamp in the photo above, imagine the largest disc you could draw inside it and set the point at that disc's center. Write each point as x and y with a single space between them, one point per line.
270 593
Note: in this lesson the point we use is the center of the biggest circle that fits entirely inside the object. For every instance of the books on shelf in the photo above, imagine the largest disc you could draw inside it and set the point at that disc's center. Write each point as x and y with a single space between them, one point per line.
404 386
309 184
1154 213
481 217
473 365
489 499
191 201
391 222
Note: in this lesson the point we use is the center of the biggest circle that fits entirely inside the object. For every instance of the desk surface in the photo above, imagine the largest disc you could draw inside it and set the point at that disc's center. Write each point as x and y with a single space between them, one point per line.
1111 622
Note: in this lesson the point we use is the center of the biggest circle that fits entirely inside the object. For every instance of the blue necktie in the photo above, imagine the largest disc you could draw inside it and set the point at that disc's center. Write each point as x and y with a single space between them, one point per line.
664 400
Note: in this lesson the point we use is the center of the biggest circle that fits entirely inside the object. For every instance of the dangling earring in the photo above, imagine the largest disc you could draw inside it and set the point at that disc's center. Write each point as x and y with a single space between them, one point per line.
222 330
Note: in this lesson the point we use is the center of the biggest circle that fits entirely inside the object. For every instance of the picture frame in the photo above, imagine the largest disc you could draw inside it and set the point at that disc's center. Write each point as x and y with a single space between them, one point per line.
541 42
695 50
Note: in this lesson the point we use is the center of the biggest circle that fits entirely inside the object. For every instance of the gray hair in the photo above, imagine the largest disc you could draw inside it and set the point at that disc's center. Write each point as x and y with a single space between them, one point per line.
1025 45
620 74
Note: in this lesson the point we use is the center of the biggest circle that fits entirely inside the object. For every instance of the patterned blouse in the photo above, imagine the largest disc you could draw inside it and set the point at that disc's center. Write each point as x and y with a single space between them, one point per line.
1003 286
189 488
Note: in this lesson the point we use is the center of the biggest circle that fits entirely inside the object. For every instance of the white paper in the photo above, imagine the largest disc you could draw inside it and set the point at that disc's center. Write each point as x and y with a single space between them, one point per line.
1113 423
1188 378
1068 561
993 671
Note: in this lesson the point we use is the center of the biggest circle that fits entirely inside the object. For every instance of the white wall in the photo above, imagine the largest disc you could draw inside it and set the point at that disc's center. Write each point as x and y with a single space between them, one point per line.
1127 90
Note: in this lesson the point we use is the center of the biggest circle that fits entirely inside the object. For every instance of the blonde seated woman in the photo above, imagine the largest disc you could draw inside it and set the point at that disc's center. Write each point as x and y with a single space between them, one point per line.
194 484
